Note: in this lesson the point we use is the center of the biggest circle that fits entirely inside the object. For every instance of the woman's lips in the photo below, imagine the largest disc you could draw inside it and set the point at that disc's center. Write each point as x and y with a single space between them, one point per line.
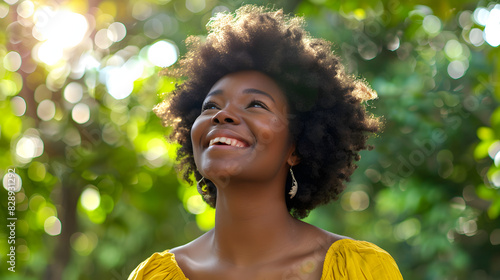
227 141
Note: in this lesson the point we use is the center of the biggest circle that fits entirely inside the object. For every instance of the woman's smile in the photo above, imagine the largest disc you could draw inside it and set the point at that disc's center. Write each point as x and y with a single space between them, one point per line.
221 138
225 141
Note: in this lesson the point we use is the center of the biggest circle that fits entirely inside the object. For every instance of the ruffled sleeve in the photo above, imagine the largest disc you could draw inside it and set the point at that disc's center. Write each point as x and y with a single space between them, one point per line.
351 259
160 266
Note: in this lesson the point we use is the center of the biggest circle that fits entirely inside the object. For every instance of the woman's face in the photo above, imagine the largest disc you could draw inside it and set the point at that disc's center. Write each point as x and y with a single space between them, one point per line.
242 131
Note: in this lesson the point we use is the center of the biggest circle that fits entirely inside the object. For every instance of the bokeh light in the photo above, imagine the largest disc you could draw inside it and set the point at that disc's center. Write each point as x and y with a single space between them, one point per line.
368 50
495 179
119 76
81 113
47 53
46 110
465 19
431 24
11 2
195 6
102 40
26 9
466 226
29 147
12 61
453 49
196 205
4 10
8 87
393 44
492 28
476 37
481 16
61 27
355 201
52 226
37 171
407 229
57 77
163 53
12 182
83 243
73 92
116 31
119 83
206 219
457 68
155 148
18 105
58 30
86 62
90 198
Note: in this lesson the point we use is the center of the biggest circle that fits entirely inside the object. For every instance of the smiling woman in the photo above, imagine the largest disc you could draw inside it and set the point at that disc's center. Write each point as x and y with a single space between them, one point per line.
270 125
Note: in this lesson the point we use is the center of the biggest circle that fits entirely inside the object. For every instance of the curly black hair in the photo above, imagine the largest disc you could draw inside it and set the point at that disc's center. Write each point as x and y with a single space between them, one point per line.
328 122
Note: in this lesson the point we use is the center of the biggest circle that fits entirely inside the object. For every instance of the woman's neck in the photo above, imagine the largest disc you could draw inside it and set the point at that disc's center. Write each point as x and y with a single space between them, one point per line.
251 226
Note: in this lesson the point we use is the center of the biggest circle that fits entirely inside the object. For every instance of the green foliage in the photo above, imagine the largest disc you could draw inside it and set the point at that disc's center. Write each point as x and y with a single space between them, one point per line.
100 192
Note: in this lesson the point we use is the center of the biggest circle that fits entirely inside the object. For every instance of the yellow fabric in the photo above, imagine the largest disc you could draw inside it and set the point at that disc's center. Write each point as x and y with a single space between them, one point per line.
345 259
352 259
160 266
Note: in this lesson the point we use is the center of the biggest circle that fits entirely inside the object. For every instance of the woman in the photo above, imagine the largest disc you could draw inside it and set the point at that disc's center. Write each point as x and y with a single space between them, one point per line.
270 125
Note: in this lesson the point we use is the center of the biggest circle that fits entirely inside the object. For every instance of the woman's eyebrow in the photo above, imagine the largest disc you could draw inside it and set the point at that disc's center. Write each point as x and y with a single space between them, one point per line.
258 91
215 92
246 91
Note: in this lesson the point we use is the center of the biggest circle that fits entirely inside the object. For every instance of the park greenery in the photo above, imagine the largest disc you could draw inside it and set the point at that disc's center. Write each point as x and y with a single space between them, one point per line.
97 190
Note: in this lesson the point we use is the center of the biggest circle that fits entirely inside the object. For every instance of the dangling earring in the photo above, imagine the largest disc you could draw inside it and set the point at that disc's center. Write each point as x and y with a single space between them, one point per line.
295 185
200 189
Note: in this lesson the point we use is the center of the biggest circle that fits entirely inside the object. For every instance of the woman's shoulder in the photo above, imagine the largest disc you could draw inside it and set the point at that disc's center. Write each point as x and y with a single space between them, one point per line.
165 265
353 259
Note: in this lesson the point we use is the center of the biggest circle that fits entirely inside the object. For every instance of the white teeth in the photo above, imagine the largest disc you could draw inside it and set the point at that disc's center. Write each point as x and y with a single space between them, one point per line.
225 140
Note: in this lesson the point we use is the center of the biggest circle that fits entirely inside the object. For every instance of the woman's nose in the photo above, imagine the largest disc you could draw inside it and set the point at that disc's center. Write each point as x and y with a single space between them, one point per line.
225 116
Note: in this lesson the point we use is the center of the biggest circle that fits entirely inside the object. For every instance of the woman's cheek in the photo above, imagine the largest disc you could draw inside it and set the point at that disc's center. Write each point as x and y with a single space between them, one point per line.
278 125
196 133
271 130
265 136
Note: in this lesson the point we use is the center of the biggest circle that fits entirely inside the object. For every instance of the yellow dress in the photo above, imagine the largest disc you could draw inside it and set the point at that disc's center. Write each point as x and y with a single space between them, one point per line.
345 259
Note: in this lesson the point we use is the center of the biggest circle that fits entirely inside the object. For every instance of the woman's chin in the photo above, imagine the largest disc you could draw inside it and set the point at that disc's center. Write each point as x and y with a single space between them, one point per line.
220 172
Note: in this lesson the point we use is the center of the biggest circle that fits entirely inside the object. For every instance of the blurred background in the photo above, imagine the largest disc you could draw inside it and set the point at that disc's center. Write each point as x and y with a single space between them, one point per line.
97 190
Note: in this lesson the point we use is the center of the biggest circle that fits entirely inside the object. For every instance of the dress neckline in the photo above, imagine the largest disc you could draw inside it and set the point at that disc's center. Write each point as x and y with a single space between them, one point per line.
332 248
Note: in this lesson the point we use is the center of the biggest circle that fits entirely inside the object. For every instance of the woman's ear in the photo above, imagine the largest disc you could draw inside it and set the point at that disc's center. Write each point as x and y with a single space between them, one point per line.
293 159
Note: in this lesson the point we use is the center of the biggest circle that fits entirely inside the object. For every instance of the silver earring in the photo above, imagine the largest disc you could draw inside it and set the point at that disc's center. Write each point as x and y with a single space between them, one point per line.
200 189
295 185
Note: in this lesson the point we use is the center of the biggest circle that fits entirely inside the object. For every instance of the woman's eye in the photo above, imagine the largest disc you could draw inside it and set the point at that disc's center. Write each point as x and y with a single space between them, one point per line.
209 106
258 104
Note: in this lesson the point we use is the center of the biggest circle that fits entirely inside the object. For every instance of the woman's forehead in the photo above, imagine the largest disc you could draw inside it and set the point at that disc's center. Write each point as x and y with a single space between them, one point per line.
249 82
